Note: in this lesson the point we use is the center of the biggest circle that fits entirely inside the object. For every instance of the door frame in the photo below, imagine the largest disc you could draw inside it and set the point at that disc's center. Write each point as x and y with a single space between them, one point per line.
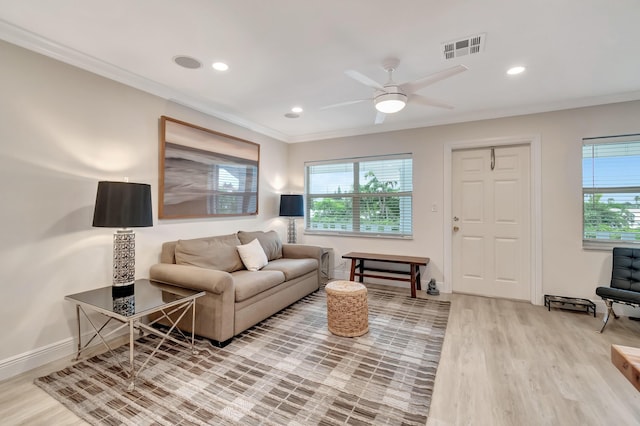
533 141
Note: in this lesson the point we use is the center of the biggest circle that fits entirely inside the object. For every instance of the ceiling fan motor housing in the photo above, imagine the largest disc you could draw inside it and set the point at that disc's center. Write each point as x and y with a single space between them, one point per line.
391 100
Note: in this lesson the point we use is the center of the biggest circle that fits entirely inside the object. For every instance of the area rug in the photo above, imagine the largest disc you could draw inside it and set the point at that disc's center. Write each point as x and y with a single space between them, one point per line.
287 370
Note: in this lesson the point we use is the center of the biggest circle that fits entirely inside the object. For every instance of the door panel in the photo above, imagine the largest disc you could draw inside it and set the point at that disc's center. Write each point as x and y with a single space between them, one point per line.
507 268
491 248
472 253
472 208
506 202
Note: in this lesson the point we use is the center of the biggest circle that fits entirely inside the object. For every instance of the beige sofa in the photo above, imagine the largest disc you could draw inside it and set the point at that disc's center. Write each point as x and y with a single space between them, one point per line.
236 298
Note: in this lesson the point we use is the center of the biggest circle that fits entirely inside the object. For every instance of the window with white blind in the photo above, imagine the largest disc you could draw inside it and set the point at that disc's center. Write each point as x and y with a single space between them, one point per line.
611 190
370 196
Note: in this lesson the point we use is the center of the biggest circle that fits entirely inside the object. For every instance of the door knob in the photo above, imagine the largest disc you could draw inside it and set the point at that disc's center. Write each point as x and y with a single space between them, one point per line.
456 228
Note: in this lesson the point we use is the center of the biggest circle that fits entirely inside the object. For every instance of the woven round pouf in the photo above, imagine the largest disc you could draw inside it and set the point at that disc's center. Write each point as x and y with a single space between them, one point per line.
347 308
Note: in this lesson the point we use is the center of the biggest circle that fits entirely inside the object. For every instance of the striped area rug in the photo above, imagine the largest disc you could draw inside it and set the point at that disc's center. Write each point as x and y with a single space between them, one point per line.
287 370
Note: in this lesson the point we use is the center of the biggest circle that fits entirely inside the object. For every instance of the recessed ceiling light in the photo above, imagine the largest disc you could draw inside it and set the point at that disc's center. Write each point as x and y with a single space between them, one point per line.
292 115
515 70
296 109
187 62
220 66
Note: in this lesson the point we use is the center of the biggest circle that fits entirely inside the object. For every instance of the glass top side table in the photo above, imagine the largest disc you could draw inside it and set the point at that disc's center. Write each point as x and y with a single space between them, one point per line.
129 305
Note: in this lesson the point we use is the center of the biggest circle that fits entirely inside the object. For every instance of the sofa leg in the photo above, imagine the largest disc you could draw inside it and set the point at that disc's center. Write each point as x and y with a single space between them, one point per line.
218 344
610 311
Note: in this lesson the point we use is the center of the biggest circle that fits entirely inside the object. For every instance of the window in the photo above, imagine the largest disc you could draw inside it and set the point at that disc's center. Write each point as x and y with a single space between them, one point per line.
361 196
611 190
232 188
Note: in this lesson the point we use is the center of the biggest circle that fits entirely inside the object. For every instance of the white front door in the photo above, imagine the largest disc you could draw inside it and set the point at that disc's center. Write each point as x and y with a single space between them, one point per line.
491 234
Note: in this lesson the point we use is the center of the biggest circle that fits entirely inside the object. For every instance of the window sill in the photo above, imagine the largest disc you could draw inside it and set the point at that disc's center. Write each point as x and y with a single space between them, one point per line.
358 235
608 245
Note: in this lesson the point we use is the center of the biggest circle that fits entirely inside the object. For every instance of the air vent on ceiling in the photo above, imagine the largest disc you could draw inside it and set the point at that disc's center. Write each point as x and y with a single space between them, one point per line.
466 46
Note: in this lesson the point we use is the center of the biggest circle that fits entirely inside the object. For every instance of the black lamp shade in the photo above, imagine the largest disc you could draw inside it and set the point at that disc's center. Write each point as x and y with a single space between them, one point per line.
123 205
291 205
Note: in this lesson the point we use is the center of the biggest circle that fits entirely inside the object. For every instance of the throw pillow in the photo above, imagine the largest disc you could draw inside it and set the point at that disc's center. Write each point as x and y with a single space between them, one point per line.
217 253
270 242
253 256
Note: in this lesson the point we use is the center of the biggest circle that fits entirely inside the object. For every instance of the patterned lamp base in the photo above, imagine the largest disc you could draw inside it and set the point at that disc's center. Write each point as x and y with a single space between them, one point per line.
292 236
124 257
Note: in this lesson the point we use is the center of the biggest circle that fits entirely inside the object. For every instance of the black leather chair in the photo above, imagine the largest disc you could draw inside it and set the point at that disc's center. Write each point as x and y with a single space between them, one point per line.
625 281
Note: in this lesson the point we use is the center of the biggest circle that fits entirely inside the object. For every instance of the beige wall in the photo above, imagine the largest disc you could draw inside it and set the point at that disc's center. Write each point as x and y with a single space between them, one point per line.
62 130
567 269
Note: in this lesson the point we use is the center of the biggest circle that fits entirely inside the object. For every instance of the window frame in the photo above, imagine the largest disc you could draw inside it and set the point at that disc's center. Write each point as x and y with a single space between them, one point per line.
356 196
605 244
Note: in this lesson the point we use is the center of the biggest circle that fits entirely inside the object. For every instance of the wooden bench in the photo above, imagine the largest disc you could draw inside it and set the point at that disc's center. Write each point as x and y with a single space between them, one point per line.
358 262
627 360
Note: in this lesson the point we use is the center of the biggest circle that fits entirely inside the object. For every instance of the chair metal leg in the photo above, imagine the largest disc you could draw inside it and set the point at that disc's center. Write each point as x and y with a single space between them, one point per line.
614 312
610 310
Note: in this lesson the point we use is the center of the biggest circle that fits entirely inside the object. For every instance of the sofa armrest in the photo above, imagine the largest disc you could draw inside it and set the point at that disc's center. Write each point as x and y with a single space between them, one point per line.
192 277
301 251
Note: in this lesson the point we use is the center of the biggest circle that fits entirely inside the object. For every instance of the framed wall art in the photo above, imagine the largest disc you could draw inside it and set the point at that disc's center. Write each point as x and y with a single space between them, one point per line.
204 173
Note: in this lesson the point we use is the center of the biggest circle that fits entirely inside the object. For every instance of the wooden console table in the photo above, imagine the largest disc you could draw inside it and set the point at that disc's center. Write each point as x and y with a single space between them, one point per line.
358 261
627 360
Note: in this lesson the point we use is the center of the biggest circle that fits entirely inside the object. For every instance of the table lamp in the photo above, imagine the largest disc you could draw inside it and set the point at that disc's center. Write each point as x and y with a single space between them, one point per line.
123 205
291 206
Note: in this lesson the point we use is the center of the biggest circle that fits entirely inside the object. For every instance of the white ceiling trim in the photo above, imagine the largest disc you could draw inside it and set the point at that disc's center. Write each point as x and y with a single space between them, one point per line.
29 40
476 116
24 38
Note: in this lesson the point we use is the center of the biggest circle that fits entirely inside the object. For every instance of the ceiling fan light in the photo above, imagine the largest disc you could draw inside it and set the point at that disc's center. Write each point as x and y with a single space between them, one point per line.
389 103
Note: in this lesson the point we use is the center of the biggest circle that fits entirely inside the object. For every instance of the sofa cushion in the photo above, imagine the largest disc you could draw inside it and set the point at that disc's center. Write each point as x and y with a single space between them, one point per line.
292 268
219 253
248 284
616 294
253 255
270 242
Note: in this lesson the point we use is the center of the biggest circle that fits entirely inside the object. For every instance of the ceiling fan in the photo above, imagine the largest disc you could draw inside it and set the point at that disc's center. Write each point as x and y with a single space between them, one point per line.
392 97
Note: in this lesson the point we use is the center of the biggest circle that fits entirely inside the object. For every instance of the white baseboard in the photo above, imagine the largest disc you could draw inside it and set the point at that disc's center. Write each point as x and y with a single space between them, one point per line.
38 357
43 355
601 308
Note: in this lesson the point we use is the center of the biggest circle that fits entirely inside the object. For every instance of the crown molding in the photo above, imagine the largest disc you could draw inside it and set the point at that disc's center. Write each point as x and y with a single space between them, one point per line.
492 114
36 43
31 41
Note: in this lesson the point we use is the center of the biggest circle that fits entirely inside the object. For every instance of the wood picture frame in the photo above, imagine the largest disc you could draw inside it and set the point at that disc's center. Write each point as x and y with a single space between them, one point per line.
204 173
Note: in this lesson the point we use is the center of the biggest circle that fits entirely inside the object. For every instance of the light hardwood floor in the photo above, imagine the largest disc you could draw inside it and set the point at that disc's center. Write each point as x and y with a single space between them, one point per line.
503 363
512 363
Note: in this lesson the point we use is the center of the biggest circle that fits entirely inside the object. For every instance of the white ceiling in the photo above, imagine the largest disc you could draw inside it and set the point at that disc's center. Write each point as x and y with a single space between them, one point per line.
283 53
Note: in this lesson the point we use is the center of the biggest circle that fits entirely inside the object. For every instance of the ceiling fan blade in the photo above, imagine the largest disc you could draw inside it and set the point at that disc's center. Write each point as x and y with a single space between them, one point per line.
414 86
340 104
361 78
380 117
417 99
